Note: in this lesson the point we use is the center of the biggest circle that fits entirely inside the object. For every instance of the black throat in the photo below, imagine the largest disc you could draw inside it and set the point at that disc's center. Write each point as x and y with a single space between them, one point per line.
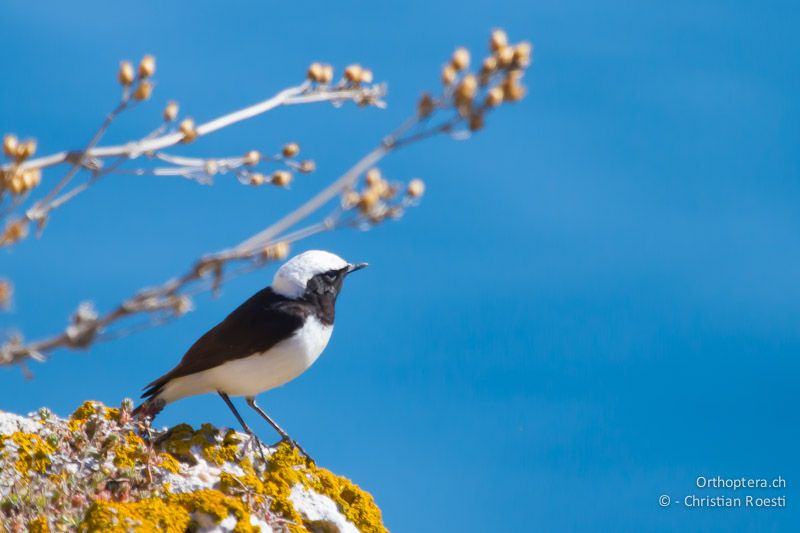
321 292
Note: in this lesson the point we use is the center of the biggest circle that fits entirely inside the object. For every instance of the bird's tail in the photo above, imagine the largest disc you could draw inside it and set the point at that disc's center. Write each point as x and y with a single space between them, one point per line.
149 408
153 404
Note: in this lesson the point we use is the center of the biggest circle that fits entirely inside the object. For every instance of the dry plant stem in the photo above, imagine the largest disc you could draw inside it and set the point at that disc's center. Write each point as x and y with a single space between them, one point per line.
150 145
69 195
41 207
263 238
290 96
468 95
211 267
392 142
148 301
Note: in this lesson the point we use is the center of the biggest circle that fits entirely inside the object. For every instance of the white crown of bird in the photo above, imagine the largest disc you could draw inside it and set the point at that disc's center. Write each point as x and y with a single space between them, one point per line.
290 280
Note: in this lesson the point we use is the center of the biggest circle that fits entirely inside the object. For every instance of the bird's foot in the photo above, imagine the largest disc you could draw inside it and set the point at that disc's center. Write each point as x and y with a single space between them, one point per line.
252 443
293 443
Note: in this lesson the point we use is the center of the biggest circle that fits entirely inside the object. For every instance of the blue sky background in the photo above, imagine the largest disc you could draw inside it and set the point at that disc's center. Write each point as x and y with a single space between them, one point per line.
596 302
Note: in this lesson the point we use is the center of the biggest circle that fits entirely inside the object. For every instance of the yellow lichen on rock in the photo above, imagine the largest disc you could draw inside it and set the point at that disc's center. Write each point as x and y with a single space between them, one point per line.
39 525
175 513
87 410
357 505
32 454
132 451
217 505
227 451
181 479
146 515
111 413
169 463
181 441
288 468
78 418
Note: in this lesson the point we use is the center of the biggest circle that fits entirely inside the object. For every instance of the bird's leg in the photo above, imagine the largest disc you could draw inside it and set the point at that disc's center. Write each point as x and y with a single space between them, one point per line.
244 425
251 401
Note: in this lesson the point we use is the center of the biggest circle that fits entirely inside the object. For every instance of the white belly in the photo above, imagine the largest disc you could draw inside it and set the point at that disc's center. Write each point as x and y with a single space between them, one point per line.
251 375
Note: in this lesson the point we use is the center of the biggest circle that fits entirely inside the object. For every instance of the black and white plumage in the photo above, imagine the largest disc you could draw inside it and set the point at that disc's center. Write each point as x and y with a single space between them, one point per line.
269 340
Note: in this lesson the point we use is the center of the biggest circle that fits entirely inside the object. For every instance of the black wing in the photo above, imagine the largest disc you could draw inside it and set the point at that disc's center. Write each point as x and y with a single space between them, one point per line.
253 327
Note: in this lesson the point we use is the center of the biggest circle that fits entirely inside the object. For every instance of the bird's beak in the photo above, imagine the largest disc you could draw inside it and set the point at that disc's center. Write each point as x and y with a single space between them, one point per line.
357 266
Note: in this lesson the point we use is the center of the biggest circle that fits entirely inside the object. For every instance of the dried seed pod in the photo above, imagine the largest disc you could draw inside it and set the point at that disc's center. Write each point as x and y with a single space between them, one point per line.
505 56
494 97
26 149
448 75
143 90
512 90
381 188
366 76
253 157
15 231
350 199
388 191
372 177
489 64
368 200
10 143
467 88
277 251
460 59
425 105
353 73
498 40
17 184
147 66
513 76
188 130
514 93
416 188
327 74
31 178
315 72
290 149
468 85
125 74
281 178
307 166
522 54
171 111
256 179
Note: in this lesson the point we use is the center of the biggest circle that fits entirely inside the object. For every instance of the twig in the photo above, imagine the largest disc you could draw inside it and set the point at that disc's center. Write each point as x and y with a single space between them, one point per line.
157 140
172 297
468 96
290 96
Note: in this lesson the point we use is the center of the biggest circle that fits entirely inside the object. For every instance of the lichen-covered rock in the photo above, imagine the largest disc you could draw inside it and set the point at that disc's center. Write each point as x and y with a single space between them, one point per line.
102 470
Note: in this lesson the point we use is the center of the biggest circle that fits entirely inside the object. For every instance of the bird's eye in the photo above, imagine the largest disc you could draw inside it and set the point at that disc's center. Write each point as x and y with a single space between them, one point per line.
330 276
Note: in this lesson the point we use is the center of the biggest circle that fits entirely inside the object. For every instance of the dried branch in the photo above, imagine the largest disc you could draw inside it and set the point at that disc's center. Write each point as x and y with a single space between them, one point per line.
464 102
173 298
23 173
305 93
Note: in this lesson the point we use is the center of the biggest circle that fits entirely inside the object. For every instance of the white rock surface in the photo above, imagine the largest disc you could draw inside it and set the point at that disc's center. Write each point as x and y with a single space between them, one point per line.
11 423
319 508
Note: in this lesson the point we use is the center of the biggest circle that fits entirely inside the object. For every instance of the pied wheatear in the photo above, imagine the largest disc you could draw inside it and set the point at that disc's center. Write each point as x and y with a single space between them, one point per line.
267 341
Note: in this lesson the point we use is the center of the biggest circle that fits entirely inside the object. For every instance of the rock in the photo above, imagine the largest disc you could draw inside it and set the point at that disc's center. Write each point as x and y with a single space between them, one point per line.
102 470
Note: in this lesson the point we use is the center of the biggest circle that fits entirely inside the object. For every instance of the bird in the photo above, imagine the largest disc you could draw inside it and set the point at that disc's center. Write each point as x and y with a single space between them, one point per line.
269 340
